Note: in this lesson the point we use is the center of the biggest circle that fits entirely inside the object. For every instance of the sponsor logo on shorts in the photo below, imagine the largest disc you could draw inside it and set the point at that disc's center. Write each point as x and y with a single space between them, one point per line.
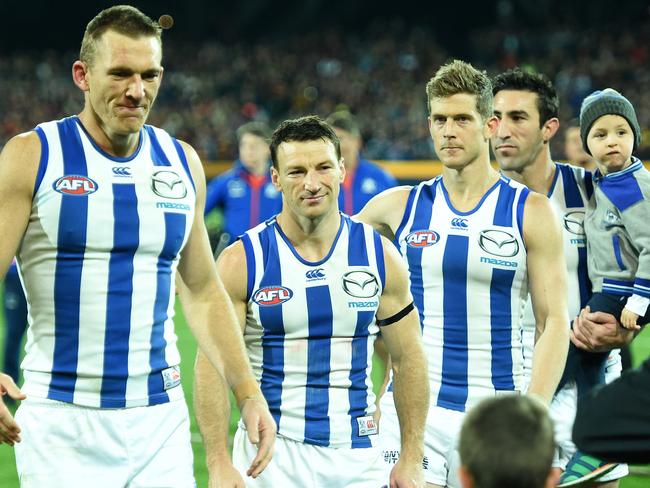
422 238
272 295
76 185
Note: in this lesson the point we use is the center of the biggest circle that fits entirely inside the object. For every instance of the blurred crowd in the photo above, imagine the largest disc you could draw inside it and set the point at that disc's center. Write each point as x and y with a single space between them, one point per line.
378 73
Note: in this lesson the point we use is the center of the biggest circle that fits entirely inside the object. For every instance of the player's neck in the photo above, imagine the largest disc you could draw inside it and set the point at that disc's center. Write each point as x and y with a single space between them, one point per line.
312 238
118 145
537 176
467 185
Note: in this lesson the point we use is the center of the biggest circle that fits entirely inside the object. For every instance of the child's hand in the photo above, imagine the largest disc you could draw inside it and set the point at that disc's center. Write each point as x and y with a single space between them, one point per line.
628 319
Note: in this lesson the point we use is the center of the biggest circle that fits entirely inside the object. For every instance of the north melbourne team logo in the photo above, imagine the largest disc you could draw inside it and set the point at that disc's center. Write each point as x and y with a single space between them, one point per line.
422 238
75 185
574 222
272 295
168 184
498 243
360 284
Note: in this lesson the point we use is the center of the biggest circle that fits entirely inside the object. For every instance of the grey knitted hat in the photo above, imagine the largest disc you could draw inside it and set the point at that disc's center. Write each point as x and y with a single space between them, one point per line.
604 102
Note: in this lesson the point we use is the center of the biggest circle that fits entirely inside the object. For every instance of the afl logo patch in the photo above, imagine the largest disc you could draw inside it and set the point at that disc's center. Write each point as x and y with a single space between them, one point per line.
75 185
272 295
422 238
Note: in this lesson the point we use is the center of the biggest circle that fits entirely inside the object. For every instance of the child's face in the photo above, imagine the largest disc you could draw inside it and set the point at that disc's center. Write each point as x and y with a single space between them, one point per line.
610 141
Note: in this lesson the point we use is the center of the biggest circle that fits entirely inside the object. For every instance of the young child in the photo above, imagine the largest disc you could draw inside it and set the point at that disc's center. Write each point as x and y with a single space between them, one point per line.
618 227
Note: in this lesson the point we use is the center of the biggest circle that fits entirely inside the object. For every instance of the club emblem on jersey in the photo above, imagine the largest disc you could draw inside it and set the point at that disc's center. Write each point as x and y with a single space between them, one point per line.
498 243
360 284
272 295
574 222
75 185
422 238
168 184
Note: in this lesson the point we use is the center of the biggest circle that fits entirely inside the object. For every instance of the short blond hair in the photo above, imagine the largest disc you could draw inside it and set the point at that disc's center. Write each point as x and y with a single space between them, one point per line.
461 77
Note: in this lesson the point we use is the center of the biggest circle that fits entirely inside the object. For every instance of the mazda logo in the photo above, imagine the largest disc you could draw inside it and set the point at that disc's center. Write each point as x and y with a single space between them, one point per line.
168 184
574 222
498 243
360 284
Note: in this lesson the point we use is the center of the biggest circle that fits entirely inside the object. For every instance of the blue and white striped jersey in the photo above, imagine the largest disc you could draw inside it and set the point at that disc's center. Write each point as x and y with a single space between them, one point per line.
98 261
570 194
310 330
469 282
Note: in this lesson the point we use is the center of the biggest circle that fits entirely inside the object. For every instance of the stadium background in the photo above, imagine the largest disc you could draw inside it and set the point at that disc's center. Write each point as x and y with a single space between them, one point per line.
231 62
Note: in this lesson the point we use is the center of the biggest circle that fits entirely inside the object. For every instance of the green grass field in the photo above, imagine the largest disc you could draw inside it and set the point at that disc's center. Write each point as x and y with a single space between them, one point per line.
187 347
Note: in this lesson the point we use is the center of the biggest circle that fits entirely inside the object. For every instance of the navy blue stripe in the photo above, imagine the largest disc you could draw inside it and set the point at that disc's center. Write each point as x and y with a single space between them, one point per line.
572 196
358 391
501 328
126 238
319 351
617 251
250 265
453 388
407 214
273 325
589 184
521 202
503 210
555 178
583 277
379 256
157 154
71 247
357 252
175 228
45 154
183 158
421 221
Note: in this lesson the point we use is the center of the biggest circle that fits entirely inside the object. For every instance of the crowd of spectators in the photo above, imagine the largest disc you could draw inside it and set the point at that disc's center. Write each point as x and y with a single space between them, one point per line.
379 74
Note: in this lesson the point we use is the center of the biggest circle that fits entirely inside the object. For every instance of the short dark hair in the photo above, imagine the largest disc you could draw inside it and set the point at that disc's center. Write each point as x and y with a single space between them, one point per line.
460 77
548 103
507 441
344 120
303 129
259 129
124 19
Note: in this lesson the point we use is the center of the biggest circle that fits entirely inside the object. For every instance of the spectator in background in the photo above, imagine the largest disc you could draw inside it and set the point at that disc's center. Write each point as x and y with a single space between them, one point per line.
15 309
507 442
363 179
245 193
573 151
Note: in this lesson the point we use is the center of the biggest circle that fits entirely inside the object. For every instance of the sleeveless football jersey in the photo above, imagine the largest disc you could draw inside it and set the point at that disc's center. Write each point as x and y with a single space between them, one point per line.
469 282
569 195
310 330
98 261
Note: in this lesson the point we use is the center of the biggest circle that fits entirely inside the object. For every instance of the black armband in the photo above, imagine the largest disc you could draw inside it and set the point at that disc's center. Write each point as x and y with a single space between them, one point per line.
397 317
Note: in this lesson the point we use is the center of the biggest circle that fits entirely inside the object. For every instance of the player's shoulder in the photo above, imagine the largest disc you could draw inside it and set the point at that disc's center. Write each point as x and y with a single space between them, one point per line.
22 151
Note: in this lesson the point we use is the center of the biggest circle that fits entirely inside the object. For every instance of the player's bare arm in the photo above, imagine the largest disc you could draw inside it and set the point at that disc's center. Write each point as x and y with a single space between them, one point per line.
548 291
409 365
211 317
19 162
385 211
